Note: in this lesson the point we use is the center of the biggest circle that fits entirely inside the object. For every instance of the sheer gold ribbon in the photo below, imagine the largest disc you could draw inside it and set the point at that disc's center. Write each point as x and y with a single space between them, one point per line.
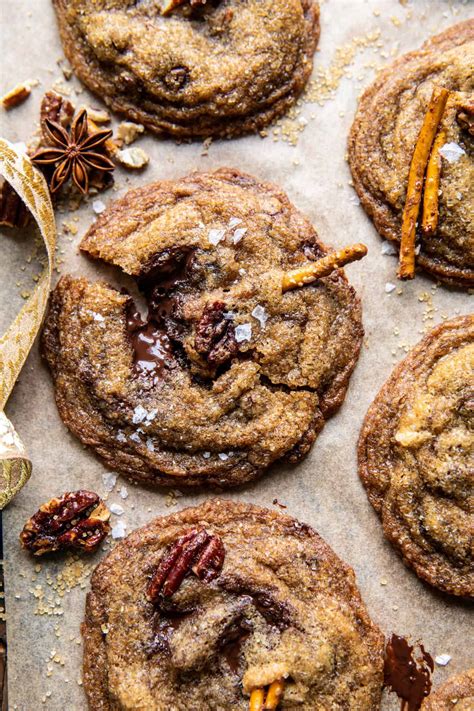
15 344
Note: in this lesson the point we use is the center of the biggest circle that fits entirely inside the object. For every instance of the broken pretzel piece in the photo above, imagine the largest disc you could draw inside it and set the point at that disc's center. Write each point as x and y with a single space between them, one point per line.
258 702
77 520
196 551
429 129
322 267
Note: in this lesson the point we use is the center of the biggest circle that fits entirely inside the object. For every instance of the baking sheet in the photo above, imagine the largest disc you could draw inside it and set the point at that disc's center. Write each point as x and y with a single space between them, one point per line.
305 155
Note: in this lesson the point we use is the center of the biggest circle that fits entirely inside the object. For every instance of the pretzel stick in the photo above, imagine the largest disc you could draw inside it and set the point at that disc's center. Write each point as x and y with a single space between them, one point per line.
274 695
324 266
406 268
429 222
257 699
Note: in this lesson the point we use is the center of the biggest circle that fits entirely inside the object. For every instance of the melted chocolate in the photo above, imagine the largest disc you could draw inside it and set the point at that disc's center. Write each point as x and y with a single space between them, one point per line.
408 677
233 650
152 347
167 269
163 631
232 640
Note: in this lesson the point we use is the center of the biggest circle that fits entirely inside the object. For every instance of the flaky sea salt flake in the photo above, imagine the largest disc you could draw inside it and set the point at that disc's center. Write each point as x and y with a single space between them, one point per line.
109 480
116 509
261 315
443 659
215 236
149 445
98 206
139 415
243 332
238 234
452 152
118 531
388 248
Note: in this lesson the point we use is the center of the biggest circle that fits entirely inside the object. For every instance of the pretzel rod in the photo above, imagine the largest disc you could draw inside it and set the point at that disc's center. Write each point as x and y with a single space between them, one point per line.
257 699
274 695
429 222
406 269
324 266
258 702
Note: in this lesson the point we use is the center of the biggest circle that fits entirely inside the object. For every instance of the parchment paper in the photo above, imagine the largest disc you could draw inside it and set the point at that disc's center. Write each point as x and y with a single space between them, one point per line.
324 490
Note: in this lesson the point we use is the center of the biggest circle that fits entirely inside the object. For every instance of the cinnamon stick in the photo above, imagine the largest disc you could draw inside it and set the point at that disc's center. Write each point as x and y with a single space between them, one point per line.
322 267
406 269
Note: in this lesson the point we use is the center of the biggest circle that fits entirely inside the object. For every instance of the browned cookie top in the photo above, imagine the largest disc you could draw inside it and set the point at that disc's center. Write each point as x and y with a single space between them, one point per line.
383 138
227 374
416 457
205 68
281 605
456 694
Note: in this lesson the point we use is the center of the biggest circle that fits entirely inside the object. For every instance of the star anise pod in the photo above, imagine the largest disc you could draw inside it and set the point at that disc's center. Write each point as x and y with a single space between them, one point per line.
73 153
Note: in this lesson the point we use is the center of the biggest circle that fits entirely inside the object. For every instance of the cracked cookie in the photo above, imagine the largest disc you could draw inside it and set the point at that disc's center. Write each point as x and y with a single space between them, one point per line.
239 361
416 457
456 693
279 618
216 68
399 134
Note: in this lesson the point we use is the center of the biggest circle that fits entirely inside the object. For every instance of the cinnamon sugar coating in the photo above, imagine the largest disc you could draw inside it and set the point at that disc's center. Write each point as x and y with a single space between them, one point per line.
456 693
282 605
243 374
383 139
219 68
416 457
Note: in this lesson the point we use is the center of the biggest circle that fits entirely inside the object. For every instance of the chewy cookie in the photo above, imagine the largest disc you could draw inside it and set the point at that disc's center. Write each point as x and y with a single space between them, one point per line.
217 604
415 457
455 694
382 142
191 67
228 372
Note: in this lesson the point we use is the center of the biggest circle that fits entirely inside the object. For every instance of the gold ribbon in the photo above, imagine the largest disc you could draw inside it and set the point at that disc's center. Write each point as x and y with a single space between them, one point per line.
15 344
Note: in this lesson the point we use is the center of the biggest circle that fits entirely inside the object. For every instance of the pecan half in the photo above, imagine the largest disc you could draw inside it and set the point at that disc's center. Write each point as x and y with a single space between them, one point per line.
77 520
196 551
215 335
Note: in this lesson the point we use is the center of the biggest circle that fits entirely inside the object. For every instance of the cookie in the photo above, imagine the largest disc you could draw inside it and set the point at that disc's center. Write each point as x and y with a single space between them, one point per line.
457 693
227 373
276 606
415 457
383 139
202 69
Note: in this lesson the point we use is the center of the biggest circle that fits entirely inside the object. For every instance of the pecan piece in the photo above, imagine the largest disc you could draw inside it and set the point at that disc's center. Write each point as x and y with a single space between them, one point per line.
196 551
16 96
55 108
215 335
77 520
13 211
465 117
